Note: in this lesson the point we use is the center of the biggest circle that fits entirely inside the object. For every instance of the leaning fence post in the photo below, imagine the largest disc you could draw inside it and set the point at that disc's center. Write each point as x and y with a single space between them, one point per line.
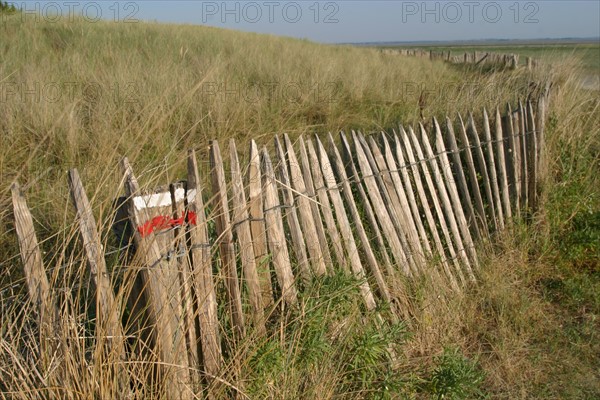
426 205
532 153
35 274
347 236
457 252
163 316
362 235
291 214
483 169
241 227
325 206
502 167
257 225
482 220
314 206
202 272
491 162
276 234
225 235
306 218
108 322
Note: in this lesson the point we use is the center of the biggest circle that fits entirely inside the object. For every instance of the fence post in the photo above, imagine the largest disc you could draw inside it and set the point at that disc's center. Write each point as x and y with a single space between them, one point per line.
491 162
453 191
426 206
473 182
276 234
502 164
162 305
532 151
314 206
226 246
257 225
306 217
366 204
35 274
380 209
108 313
483 169
456 252
241 227
355 214
407 198
202 271
325 206
347 236
291 214
461 181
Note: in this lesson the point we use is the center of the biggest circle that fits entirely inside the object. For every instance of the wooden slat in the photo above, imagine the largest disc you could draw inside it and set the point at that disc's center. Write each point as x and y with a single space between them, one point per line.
365 243
390 199
491 162
453 192
409 205
225 240
35 274
374 225
291 214
427 208
306 217
404 168
455 247
483 170
502 167
532 155
381 210
108 314
244 237
202 272
345 228
473 181
326 209
186 284
170 265
276 234
163 310
461 181
524 138
257 225
314 206
399 208
458 225
541 137
513 160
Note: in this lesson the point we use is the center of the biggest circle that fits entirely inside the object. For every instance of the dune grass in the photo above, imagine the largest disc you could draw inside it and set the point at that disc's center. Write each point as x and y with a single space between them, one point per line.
84 95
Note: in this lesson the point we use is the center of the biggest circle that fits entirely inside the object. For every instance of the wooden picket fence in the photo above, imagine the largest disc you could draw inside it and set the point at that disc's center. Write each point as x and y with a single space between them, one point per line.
398 204
478 58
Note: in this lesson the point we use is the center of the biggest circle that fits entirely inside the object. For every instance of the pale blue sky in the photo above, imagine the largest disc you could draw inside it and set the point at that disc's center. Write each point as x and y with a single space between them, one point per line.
358 21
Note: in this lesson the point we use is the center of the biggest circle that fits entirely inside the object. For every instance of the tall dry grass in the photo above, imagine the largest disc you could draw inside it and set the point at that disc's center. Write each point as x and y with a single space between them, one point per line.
84 95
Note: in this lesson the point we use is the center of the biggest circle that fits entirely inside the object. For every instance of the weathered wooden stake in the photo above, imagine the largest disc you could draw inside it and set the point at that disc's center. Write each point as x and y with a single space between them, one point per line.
163 297
276 234
257 225
306 217
291 214
202 272
241 227
225 240
108 314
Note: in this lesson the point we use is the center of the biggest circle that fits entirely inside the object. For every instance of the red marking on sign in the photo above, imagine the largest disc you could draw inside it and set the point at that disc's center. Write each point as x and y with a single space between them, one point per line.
163 222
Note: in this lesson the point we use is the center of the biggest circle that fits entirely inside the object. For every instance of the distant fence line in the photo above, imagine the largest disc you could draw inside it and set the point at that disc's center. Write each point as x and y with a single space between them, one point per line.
381 207
509 61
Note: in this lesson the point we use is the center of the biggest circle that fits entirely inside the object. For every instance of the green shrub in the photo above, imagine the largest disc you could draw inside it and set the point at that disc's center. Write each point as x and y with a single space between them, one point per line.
455 377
